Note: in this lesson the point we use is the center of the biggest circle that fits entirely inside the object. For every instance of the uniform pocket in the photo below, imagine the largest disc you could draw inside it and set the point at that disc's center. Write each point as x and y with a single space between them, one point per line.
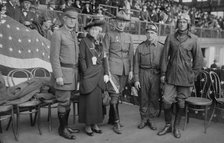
68 75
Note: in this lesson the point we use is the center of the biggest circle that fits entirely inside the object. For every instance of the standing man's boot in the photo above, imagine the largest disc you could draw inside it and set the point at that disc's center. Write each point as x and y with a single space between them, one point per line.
121 125
168 126
176 131
71 130
116 127
111 115
62 130
151 124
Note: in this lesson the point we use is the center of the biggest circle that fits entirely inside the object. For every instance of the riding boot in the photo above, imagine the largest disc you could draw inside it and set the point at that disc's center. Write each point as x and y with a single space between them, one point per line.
111 115
62 130
168 126
116 127
176 131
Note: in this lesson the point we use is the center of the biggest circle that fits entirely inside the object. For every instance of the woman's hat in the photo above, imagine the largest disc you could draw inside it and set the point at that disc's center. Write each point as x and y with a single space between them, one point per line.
121 15
95 21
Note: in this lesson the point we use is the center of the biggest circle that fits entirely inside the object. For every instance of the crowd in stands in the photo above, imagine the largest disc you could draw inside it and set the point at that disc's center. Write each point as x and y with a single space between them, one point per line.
160 11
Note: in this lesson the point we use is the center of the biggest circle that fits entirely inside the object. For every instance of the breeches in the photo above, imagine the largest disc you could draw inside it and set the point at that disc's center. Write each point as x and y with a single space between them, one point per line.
121 80
173 94
63 98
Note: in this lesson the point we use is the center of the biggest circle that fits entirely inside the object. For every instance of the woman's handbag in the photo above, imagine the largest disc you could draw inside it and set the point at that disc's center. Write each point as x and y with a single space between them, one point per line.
106 98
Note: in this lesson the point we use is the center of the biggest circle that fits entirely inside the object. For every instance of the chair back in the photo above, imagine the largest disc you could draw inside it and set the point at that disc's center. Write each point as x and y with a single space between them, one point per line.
202 85
216 90
40 72
16 76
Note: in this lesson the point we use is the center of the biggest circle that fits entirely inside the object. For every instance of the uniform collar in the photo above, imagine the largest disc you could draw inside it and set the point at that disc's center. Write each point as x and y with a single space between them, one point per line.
150 43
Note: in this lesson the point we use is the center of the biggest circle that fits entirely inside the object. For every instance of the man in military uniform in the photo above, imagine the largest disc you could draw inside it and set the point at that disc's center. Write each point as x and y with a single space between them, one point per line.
119 47
181 62
64 58
147 76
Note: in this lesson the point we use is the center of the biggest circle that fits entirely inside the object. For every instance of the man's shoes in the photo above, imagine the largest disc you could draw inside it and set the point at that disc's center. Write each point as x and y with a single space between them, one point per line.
66 134
165 130
142 125
151 126
116 128
176 133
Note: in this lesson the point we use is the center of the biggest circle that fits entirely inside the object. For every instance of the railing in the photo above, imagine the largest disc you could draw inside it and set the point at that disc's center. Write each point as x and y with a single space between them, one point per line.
138 27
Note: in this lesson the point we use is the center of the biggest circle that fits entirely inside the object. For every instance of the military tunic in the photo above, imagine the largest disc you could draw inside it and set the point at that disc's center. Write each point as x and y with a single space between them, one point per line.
64 60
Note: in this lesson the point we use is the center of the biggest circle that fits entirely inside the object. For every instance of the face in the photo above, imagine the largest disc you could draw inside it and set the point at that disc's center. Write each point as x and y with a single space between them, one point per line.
48 24
121 25
70 22
151 35
182 25
95 31
26 5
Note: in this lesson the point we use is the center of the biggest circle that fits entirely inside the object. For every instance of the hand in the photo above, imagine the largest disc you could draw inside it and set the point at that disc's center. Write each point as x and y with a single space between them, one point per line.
137 85
60 81
130 76
106 78
162 79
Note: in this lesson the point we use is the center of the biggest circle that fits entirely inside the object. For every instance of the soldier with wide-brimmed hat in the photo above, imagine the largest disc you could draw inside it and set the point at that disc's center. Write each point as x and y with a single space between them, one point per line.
64 60
119 47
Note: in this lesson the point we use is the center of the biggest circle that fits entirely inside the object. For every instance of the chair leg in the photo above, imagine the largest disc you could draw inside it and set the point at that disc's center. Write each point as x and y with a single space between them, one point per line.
8 125
49 118
17 121
13 127
31 118
0 126
206 114
186 116
213 113
38 119
74 112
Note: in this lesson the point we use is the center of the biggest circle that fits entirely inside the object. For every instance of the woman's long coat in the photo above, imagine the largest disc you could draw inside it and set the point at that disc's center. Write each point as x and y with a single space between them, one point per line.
91 81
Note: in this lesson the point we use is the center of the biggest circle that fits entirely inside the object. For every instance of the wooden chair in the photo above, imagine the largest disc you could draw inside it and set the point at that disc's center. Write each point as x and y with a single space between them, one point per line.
42 72
216 94
6 111
199 99
29 107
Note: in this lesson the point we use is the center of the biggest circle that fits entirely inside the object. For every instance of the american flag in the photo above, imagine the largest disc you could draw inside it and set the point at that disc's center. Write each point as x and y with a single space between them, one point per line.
21 47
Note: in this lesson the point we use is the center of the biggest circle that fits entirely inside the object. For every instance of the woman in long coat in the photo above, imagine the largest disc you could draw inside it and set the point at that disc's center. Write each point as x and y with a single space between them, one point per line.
94 72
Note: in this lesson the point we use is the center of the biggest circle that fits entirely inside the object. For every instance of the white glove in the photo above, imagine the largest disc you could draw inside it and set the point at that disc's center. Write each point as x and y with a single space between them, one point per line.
60 81
106 78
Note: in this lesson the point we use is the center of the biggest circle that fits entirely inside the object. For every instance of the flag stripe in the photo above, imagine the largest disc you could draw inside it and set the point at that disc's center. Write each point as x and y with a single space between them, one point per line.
24 63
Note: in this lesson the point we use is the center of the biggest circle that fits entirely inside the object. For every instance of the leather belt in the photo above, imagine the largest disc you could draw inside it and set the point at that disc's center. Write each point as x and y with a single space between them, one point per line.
66 65
145 67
